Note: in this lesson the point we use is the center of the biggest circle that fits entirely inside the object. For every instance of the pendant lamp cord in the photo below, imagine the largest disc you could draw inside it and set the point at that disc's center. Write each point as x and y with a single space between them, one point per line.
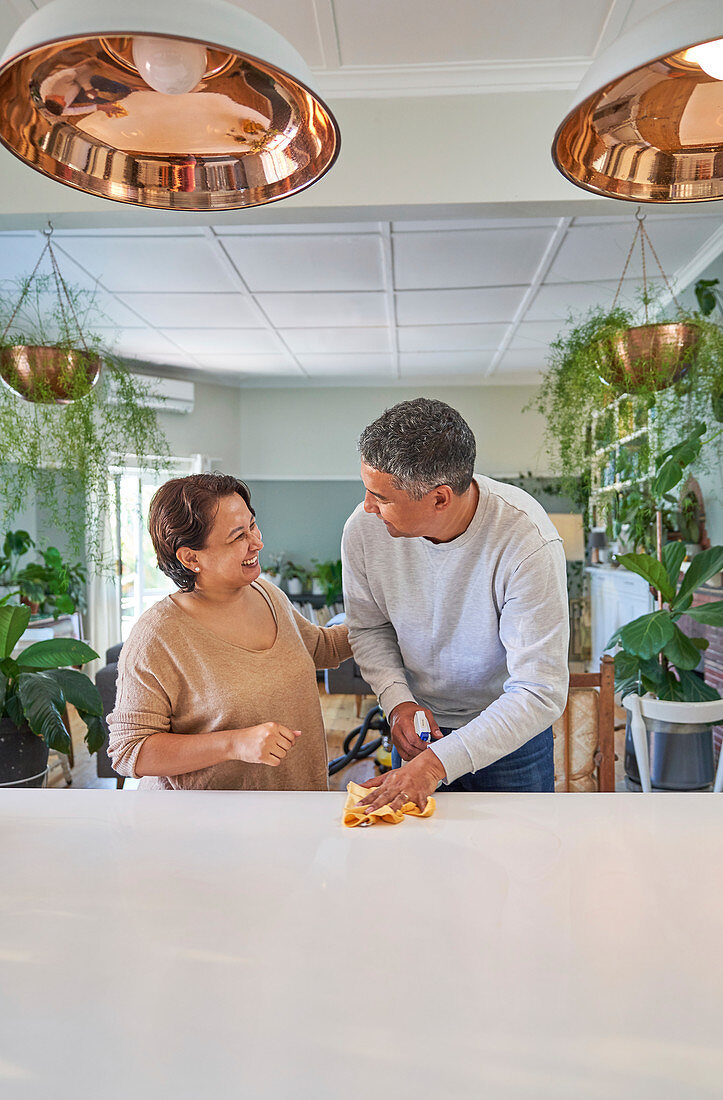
60 287
640 231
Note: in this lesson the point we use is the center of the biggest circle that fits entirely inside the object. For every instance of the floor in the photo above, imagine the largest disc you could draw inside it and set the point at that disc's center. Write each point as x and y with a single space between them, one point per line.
340 717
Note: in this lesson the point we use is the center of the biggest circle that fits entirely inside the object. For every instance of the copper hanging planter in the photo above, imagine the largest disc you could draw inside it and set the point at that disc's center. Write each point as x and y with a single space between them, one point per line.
48 375
648 357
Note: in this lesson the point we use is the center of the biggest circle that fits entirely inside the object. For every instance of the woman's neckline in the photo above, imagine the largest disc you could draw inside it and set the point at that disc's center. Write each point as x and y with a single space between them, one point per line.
234 645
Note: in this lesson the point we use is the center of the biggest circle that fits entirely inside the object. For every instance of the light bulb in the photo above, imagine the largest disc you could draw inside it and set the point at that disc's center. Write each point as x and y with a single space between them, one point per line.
709 56
169 65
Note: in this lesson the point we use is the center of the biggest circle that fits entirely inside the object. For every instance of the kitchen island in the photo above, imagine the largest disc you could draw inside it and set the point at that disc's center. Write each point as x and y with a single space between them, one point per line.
220 944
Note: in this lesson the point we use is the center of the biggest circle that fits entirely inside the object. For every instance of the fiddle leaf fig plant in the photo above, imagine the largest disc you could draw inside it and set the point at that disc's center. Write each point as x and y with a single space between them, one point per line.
35 686
638 665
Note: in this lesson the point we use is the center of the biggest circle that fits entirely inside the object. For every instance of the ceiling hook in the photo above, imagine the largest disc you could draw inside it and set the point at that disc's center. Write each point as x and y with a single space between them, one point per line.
641 217
49 231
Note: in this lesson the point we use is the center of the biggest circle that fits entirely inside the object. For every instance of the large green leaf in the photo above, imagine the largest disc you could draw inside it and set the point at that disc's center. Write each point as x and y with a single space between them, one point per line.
14 709
673 462
695 689
614 639
627 666
709 613
653 571
681 651
96 732
647 635
673 554
701 569
56 652
3 685
671 690
42 700
13 623
78 690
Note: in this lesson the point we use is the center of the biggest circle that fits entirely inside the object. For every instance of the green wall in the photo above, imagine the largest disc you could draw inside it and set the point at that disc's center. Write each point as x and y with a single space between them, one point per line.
305 519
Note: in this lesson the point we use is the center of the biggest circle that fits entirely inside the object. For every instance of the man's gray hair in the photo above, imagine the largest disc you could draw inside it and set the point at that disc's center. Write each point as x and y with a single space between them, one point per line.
421 444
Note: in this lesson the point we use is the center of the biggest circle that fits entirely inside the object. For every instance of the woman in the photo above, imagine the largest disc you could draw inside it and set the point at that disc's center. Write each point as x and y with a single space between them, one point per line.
216 683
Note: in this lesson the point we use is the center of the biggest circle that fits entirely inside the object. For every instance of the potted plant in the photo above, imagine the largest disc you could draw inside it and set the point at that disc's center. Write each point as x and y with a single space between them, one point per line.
273 571
53 586
297 578
586 371
656 659
327 574
15 545
63 421
34 689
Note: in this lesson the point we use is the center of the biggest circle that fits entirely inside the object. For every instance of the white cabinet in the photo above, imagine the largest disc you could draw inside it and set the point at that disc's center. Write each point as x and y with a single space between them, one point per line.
616 597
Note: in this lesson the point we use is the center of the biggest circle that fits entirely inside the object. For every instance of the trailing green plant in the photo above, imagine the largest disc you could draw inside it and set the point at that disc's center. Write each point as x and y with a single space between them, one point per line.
328 573
574 388
35 687
656 655
62 454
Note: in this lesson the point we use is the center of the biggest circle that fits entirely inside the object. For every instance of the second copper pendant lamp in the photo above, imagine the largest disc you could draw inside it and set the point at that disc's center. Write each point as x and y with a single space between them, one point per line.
647 121
178 106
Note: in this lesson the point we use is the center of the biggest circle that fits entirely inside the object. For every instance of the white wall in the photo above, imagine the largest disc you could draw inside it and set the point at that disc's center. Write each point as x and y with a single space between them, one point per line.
312 433
211 429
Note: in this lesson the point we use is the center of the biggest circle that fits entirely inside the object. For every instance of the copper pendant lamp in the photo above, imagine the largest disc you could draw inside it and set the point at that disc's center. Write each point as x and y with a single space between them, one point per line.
175 106
647 121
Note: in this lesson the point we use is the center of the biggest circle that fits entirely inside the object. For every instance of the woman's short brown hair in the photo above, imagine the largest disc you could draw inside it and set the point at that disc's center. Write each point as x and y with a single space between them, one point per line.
182 513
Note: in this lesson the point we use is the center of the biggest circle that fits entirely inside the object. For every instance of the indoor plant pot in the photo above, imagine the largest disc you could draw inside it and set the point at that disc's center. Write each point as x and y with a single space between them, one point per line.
648 357
23 756
49 374
668 744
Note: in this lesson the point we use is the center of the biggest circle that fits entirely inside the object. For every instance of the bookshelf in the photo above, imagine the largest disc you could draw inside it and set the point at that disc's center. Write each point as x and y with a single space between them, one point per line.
623 446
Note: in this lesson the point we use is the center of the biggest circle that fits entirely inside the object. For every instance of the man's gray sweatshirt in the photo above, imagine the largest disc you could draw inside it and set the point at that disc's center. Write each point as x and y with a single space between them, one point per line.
475 629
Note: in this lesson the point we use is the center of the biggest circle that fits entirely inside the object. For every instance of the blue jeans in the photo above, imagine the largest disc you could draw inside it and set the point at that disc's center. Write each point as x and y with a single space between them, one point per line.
529 768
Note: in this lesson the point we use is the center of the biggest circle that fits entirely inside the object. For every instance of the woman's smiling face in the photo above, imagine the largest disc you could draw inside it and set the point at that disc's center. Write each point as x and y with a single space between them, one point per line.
230 558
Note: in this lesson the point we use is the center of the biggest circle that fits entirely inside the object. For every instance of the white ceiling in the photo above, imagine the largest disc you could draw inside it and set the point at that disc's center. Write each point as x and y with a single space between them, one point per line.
474 301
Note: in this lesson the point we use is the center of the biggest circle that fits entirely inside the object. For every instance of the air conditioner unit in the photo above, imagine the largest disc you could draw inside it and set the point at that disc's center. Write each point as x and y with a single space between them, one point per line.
164 394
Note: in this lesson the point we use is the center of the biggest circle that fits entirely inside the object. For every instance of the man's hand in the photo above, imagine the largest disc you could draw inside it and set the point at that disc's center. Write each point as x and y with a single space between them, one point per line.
404 737
415 782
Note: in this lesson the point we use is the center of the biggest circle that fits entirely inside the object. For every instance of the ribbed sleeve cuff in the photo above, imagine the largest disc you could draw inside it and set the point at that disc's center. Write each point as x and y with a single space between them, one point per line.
453 756
395 694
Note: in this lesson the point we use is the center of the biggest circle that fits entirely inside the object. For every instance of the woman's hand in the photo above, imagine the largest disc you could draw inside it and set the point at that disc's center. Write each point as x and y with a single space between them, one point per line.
264 744
414 782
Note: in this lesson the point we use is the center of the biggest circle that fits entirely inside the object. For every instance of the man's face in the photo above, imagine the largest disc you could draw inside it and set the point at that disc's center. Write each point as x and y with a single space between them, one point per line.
402 516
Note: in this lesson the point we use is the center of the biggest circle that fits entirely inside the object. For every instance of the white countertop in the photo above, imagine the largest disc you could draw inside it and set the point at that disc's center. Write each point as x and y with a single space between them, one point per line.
213 945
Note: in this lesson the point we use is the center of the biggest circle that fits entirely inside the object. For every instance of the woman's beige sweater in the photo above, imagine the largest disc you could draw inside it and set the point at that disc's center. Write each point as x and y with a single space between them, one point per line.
176 676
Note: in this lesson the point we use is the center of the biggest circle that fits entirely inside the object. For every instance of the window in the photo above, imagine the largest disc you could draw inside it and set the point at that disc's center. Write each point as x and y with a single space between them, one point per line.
140 582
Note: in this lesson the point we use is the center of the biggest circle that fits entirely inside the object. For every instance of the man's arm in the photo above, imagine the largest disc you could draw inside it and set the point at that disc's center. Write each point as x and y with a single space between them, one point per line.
534 630
373 638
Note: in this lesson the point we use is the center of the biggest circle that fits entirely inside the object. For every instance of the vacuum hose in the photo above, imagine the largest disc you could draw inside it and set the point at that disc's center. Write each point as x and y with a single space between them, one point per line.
354 747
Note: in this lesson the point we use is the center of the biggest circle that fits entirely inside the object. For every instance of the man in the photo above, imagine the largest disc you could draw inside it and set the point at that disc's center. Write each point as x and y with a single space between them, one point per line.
456 599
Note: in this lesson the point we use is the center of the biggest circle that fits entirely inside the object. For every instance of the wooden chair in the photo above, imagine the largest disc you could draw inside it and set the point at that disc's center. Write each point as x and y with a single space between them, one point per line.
585 732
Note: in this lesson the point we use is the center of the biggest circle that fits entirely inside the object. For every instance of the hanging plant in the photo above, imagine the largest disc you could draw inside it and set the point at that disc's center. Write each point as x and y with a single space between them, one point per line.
69 410
674 363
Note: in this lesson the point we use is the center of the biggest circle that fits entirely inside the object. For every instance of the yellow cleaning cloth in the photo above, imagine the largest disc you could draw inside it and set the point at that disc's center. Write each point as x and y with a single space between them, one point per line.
356 815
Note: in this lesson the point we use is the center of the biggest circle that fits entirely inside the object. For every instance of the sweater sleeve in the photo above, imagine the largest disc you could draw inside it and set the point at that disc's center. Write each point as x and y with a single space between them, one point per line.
373 638
328 645
534 631
142 707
